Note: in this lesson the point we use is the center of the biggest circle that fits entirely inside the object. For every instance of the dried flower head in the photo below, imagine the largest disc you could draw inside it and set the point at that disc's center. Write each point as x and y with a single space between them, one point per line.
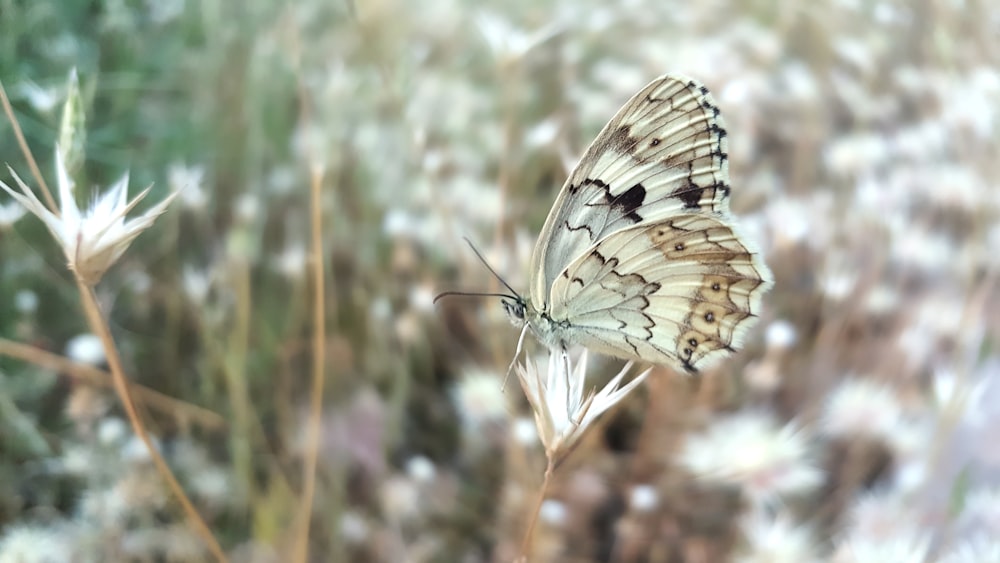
750 450
862 407
562 410
479 401
96 238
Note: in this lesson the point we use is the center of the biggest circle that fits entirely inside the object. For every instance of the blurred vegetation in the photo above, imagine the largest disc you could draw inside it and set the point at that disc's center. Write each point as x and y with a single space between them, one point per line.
863 156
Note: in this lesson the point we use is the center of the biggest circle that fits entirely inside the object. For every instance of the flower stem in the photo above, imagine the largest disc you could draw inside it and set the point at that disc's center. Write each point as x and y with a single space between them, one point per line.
23 144
526 543
184 413
318 371
97 323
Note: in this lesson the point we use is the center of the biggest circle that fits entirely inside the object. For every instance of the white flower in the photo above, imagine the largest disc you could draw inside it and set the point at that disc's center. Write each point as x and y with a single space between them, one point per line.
643 498
42 100
880 527
93 240
750 450
877 550
9 214
507 41
979 548
190 182
562 410
36 544
479 401
553 512
862 407
86 348
292 261
781 334
777 539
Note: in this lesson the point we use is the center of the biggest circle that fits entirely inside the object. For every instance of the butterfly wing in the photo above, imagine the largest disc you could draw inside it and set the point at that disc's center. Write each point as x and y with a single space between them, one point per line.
664 153
680 291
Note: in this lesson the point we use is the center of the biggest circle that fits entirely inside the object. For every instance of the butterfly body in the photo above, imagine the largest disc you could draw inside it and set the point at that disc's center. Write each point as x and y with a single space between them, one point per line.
639 257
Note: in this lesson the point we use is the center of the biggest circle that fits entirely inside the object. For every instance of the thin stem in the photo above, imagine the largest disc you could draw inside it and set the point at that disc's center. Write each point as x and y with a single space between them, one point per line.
234 369
318 372
97 323
180 410
316 169
23 144
526 543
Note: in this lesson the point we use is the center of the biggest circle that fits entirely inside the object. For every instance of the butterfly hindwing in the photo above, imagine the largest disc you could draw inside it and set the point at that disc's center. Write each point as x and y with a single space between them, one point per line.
664 153
681 291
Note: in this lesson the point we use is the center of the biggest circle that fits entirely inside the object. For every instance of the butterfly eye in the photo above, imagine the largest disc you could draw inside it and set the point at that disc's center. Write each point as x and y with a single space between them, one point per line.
514 309
693 342
654 142
709 317
679 246
716 286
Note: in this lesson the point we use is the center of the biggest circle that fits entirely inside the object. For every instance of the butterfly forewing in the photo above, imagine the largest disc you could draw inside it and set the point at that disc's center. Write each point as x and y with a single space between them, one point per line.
665 152
639 258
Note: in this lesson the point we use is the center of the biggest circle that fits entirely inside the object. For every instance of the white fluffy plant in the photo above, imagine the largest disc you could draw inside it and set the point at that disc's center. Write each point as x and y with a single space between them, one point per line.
93 239
564 409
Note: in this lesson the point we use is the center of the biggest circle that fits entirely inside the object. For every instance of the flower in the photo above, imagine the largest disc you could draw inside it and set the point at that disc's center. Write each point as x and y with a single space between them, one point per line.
882 526
777 539
863 550
861 407
978 548
562 410
643 498
479 401
86 349
750 450
9 214
36 544
93 240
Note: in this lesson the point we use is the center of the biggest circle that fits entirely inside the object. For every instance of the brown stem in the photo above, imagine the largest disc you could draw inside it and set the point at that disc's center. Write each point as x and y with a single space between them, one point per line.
96 318
526 543
90 375
301 547
21 142
318 373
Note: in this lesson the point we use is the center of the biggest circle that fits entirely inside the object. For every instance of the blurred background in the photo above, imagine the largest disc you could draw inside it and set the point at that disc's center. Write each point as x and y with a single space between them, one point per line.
859 423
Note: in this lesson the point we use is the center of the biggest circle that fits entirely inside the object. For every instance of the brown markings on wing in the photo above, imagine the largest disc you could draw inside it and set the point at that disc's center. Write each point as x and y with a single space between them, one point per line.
722 301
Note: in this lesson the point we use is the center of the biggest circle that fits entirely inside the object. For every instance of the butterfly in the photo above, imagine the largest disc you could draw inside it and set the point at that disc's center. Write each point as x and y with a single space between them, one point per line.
639 257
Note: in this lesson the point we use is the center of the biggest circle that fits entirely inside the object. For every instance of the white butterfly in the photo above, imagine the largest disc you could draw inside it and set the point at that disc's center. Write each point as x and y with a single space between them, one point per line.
639 257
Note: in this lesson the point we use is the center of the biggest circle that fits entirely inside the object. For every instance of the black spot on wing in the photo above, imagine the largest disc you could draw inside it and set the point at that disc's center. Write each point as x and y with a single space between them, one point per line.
629 201
621 141
710 106
690 194
574 188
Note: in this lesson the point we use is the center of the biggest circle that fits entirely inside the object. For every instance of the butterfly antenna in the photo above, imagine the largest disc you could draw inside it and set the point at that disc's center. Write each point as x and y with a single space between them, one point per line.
471 294
490 268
